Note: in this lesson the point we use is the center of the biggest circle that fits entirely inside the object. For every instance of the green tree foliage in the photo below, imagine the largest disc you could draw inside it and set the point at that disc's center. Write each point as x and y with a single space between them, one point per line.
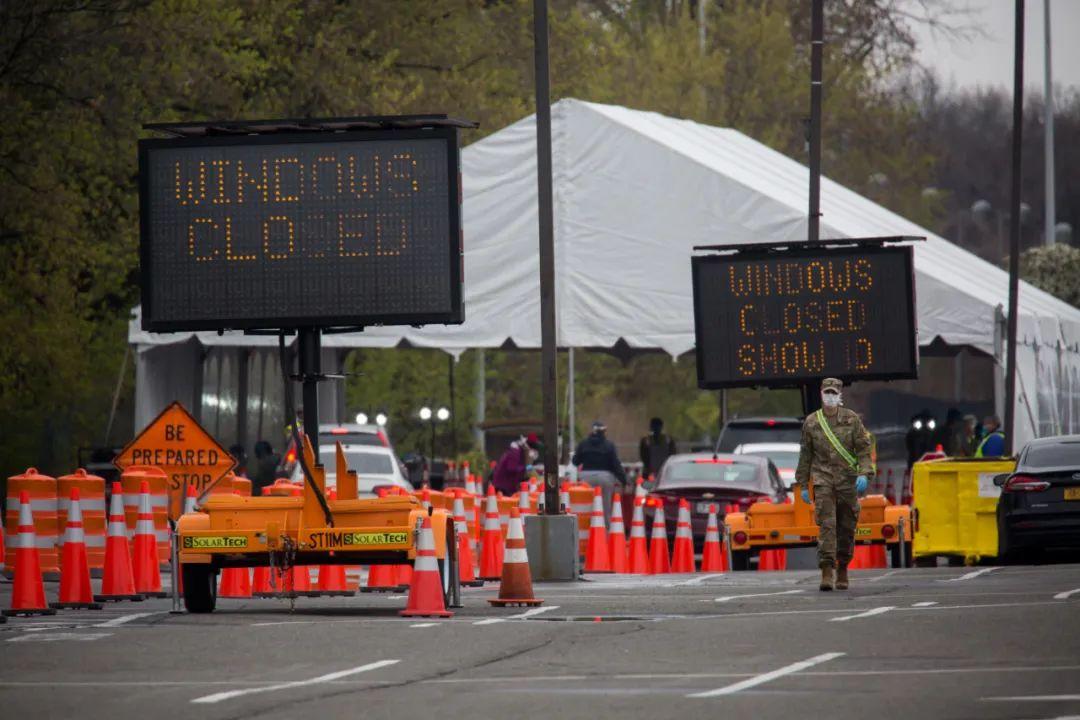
1055 269
78 78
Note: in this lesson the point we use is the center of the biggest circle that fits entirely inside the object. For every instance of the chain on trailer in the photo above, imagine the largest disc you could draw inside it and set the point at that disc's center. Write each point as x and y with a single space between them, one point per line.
282 562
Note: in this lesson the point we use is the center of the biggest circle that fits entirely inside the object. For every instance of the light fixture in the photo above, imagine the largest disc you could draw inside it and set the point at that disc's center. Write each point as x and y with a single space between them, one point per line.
931 424
425 413
361 419
380 419
918 424
443 414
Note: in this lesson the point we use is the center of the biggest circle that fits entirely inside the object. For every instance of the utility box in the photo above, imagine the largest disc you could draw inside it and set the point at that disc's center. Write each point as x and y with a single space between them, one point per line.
552 544
957 503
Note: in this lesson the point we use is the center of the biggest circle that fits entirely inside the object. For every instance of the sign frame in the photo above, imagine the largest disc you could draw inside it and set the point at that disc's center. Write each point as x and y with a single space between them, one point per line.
797 251
455 241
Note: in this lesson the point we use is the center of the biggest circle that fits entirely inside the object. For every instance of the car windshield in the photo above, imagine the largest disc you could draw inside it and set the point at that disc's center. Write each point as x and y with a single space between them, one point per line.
364 463
721 471
1063 454
735 435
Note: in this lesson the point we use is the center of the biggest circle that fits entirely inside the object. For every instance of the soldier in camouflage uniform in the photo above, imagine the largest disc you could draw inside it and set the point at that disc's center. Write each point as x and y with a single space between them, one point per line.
840 472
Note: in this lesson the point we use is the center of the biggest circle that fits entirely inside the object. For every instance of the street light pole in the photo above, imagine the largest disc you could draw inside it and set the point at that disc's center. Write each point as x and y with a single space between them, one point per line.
1014 229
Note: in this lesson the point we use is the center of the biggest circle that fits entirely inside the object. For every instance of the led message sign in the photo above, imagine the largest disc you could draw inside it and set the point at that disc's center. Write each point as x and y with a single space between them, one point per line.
785 318
301 229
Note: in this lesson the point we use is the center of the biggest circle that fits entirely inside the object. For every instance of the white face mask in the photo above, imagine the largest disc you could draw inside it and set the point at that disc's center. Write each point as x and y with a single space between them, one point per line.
830 400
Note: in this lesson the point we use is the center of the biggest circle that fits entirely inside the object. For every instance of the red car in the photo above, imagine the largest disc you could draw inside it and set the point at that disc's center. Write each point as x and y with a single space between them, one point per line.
705 479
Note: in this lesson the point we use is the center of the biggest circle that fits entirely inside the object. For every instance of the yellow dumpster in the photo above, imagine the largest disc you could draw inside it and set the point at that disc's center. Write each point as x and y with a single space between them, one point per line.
956 501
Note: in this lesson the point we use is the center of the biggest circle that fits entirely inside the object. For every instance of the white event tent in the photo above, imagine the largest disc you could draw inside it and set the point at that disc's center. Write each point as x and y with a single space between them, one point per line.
634 193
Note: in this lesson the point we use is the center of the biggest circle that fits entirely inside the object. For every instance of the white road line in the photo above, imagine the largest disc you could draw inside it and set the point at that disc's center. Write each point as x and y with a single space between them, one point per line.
729 598
125 619
697 581
1067 594
971 575
929 603
283 622
1034 698
888 574
868 613
520 616
769 676
58 637
423 625
218 697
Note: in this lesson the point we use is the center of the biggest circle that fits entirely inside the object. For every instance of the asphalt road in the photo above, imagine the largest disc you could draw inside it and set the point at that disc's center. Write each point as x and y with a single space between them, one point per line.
921 643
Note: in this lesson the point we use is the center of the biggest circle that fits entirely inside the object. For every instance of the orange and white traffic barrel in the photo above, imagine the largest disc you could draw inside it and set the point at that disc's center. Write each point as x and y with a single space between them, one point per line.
41 491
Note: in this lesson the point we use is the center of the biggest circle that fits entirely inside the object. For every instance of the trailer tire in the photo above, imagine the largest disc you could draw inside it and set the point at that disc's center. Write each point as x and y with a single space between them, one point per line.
200 588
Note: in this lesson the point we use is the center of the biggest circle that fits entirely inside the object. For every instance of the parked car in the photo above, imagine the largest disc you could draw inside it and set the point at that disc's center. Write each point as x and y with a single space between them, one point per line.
705 479
375 467
345 433
785 457
742 431
1039 507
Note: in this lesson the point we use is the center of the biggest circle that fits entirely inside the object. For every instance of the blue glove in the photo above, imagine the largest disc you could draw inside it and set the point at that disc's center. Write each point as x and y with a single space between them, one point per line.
860 484
806 496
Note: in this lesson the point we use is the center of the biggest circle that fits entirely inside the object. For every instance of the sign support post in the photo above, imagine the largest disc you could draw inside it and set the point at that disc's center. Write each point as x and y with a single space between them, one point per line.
309 343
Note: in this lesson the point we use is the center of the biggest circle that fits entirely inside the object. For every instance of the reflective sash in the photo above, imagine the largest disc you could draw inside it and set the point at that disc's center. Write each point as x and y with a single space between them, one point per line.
835 442
982 445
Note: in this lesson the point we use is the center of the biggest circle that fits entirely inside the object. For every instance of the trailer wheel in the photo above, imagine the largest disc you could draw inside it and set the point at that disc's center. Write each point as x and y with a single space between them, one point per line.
740 559
200 588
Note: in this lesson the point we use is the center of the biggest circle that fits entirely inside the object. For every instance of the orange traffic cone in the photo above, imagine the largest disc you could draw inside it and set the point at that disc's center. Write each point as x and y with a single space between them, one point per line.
639 551
659 558
117 582
639 488
859 559
564 497
516 586
28 593
712 555
403 574
597 555
145 562
190 496
235 583
75 591
683 558
769 560
491 554
617 536
332 582
426 592
261 587
524 506
466 569
877 557
382 578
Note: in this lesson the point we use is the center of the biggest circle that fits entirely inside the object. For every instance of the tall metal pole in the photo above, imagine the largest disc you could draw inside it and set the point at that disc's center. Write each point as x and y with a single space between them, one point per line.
571 391
817 43
481 399
310 341
1048 143
453 411
1014 228
548 366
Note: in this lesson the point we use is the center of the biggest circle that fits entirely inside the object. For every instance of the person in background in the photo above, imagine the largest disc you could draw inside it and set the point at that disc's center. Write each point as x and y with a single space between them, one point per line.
950 436
656 448
240 456
993 445
599 463
266 462
515 464
970 439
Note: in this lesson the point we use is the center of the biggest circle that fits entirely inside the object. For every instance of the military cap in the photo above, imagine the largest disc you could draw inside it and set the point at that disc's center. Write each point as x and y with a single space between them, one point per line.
831 384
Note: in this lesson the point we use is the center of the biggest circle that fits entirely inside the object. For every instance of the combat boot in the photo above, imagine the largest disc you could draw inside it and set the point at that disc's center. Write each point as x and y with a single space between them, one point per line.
826 579
841 578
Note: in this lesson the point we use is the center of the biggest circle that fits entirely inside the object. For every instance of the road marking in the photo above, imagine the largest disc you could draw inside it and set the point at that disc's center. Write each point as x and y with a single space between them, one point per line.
54 637
769 676
283 622
218 697
125 619
929 603
1034 698
868 613
697 581
729 598
888 574
423 625
1065 595
971 575
521 616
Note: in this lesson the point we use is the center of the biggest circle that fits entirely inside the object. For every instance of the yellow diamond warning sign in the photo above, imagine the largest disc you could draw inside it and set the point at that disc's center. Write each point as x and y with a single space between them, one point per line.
176 443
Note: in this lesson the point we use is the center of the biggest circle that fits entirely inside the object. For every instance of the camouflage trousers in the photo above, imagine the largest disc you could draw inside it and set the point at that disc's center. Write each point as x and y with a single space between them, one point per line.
836 512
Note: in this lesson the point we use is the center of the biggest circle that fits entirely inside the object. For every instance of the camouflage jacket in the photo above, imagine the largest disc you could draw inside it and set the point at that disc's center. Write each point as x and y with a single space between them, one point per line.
819 458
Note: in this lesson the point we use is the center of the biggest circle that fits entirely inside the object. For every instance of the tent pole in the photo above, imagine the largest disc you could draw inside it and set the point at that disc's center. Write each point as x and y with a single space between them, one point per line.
549 367
481 400
817 43
571 431
1014 227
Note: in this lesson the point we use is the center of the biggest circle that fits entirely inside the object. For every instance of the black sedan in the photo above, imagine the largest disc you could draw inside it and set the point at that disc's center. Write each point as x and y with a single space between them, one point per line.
706 479
1039 506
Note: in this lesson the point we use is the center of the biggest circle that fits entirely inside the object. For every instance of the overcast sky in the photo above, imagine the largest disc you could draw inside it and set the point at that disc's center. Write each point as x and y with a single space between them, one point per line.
988 59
